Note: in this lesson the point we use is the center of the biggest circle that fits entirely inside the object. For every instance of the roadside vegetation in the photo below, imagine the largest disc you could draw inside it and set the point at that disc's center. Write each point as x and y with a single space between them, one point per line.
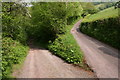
54 29
66 47
13 53
103 26
48 24
14 37
45 23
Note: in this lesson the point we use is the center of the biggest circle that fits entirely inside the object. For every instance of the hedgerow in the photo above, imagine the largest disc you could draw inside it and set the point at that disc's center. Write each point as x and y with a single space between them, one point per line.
14 36
105 30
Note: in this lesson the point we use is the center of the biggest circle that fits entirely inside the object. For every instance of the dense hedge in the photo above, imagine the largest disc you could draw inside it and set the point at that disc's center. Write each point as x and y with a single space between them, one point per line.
105 30
14 36
12 53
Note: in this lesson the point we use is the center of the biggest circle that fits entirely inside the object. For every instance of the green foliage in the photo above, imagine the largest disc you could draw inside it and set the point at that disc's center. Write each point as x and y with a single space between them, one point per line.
117 5
13 21
73 12
14 35
107 13
48 19
104 5
105 30
50 24
12 53
88 8
66 47
44 22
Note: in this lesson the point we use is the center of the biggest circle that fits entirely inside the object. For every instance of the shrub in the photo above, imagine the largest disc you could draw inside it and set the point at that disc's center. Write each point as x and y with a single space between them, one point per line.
12 53
14 21
105 30
66 47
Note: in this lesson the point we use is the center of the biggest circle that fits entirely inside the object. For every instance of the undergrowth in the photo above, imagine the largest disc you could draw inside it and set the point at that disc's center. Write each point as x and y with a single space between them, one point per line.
105 30
65 47
13 53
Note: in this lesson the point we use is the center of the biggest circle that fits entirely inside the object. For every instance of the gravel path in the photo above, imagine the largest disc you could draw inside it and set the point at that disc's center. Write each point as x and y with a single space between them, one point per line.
40 63
102 58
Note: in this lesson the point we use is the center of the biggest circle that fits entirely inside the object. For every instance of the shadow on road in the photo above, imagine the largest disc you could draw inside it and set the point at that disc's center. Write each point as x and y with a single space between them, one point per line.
32 45
103 48
109 52
77 30
90 38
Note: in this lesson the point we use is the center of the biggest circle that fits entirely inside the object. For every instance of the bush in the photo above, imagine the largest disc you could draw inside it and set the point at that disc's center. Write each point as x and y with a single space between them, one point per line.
105 30
66 47
12 53
14 21
48 20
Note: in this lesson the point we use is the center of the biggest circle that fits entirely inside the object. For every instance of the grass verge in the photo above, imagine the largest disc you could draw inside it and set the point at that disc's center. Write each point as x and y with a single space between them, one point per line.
66 47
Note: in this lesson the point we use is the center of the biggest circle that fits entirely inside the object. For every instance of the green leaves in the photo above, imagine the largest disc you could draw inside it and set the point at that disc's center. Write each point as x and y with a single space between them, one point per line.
14 18
48 23
105 30
50 19
12 53
12 25
65 47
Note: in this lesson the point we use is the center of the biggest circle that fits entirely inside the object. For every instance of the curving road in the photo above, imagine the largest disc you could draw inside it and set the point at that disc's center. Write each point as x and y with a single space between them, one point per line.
102 58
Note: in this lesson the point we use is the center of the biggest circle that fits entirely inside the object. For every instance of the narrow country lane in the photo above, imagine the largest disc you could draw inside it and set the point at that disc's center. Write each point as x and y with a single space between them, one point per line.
102 58
40 63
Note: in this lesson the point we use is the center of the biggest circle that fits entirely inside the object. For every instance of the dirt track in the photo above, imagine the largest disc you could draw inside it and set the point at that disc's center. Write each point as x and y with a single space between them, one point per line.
102 58
40 63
